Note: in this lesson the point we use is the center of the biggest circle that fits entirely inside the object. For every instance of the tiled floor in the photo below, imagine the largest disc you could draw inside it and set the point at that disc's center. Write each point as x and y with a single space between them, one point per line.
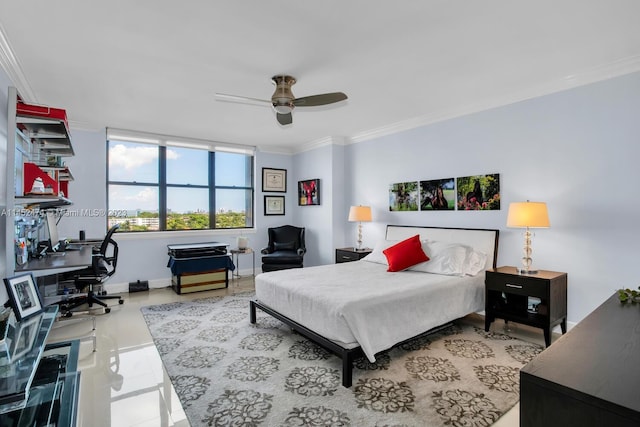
124 382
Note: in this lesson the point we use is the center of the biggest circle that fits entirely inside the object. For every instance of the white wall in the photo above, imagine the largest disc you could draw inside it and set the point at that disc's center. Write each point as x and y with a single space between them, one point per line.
88 190
576 150
324 223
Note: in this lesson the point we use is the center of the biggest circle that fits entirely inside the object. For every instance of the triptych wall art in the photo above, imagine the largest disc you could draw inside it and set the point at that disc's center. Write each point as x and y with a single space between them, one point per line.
468 193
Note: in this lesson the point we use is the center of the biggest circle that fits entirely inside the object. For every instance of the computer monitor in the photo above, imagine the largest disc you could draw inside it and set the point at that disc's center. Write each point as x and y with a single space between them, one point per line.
52 226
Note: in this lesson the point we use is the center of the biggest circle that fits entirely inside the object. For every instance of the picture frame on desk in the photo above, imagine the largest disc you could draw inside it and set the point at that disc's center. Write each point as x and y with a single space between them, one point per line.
24 296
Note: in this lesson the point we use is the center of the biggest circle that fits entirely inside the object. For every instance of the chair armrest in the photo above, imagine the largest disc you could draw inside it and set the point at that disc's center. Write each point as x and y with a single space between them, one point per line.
264 251
302 251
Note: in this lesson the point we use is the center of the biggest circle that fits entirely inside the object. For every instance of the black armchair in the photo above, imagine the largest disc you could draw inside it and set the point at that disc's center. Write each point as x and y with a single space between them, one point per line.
286 248
103 266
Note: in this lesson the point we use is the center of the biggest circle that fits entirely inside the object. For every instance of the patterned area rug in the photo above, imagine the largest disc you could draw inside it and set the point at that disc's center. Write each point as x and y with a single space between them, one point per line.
228 372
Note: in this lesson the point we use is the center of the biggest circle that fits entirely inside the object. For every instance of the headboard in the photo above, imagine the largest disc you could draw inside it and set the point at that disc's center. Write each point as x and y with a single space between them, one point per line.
484 240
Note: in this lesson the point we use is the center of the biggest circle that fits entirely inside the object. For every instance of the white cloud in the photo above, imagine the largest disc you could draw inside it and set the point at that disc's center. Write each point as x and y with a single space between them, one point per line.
145 195
131 157
172 154
133 198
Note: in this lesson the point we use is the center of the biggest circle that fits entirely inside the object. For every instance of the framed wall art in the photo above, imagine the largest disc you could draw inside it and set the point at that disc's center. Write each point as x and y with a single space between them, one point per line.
438 195
403 196
274 180
479 192
274 205
24 295
309 192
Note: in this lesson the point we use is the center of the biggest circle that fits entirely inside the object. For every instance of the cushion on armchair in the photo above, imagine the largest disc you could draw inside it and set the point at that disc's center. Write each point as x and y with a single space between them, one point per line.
286 248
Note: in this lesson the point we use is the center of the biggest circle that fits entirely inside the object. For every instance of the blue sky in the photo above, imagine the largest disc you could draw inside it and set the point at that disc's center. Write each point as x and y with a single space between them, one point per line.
139 162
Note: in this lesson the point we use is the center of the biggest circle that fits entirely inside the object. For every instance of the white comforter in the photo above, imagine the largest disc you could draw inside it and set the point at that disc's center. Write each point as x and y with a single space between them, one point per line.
360 303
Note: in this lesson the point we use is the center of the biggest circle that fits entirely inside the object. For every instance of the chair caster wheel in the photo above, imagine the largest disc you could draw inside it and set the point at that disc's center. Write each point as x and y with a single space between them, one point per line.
107 310
121 301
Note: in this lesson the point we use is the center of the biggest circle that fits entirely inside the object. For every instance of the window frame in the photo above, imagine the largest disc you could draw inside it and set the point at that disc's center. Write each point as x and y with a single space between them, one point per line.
211 148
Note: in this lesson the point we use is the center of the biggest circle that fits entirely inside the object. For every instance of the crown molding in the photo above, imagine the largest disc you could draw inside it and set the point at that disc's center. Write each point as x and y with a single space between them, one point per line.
318 143
10 64
275 149
587 76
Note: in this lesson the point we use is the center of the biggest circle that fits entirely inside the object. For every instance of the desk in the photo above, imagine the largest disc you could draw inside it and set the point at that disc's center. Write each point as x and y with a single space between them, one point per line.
42 396
58 262
235 254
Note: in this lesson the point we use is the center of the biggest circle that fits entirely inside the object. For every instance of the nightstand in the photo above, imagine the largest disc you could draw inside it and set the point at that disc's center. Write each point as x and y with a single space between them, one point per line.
350 254
538 300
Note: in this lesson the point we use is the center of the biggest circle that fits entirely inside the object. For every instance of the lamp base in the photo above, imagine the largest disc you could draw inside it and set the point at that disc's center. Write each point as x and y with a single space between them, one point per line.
526 271
361 249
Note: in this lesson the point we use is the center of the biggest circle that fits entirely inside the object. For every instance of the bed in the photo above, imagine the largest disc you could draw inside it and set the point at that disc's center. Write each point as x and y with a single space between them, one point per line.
359 308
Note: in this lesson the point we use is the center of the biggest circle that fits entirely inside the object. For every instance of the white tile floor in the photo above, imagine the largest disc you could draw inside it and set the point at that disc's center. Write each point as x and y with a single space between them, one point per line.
124 384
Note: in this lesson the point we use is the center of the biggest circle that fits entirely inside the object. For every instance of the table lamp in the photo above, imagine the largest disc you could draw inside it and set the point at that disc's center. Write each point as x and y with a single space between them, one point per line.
527 215
360 214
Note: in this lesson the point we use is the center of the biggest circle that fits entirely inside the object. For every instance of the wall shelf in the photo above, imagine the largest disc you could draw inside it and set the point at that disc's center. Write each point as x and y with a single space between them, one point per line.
42 201
37 138
46 126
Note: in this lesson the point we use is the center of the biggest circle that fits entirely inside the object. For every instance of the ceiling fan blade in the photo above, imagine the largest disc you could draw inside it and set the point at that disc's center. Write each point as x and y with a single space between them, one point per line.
284 119
323 99
241 99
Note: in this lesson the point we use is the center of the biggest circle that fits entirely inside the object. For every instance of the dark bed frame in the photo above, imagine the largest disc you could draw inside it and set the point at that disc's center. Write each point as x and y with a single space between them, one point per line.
348 355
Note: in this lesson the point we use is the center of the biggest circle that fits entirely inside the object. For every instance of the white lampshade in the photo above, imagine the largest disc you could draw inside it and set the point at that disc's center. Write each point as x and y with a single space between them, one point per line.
528 214
360 214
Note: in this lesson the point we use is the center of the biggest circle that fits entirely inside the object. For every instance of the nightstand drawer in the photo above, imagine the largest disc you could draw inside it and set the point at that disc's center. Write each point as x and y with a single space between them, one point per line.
350 254
524 285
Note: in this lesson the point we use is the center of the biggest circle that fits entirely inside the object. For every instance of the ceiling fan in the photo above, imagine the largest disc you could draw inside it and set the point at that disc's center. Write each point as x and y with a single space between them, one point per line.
283 101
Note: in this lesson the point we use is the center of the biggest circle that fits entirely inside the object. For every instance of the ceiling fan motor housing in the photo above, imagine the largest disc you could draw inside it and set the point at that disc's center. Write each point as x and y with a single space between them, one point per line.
282 98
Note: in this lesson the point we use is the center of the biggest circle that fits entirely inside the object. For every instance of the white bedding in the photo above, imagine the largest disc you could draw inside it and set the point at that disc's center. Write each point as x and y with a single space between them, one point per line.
360 303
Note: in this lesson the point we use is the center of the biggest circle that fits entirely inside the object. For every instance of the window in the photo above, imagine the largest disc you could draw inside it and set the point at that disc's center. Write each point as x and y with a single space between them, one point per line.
157 183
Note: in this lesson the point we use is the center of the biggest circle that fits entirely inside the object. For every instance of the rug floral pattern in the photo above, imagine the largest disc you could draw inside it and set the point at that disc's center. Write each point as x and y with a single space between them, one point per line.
228 372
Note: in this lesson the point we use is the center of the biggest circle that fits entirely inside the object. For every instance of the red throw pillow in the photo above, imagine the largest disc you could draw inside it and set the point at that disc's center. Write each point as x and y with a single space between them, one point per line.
404 254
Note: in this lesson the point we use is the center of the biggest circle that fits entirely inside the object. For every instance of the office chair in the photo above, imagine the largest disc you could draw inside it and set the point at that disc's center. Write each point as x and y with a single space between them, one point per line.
103 266
286 248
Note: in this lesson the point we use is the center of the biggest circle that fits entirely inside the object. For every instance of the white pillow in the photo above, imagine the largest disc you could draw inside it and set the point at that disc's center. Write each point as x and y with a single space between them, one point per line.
474 262
376 255
444 258
450 259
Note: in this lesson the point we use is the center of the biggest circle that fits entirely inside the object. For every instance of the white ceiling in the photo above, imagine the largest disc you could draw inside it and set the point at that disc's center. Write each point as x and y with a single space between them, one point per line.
155 65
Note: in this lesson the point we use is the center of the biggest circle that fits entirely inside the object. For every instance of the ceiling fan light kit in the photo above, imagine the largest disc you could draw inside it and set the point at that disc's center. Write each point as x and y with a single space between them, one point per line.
283 101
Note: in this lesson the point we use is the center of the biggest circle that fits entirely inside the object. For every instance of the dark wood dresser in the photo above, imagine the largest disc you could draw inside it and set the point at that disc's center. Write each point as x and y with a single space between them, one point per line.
588 377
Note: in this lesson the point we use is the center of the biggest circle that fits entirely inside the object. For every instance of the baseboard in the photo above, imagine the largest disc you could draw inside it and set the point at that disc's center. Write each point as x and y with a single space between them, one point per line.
120 288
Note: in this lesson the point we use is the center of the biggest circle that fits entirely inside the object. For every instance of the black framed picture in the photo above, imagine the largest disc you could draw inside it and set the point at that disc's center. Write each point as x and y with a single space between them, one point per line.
309 192
274 205
24 295
274 180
